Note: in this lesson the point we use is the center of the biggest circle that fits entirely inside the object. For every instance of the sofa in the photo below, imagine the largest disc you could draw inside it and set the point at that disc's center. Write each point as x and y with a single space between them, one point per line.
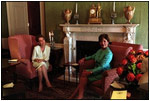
21 47
120 51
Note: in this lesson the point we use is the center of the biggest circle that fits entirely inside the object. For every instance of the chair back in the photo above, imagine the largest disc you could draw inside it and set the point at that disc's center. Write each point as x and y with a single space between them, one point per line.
120 51
135 47
21 46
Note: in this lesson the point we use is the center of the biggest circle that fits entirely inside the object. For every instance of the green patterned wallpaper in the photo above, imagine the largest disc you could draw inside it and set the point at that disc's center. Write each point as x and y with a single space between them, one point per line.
54 17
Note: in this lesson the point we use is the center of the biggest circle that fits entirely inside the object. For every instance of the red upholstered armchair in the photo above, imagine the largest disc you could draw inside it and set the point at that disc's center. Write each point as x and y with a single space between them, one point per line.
21 47
120 51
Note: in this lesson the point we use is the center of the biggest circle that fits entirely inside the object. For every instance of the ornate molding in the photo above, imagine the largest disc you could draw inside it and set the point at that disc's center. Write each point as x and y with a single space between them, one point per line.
129 36
104 28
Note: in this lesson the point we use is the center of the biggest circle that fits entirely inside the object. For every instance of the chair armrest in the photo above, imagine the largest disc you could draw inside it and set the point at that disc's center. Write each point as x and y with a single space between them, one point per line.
109 77
24 61
88 63
110 72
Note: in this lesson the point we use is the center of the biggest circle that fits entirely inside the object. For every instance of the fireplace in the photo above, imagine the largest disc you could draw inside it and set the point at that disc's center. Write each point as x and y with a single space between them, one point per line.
90 32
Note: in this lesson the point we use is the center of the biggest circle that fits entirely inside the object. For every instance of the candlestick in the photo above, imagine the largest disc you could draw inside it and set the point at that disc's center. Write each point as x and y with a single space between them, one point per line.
50 36
113 16
113 6
76 7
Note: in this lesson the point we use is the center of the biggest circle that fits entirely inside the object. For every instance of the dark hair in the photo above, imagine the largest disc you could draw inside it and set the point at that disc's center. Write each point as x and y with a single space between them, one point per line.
105 36
39 36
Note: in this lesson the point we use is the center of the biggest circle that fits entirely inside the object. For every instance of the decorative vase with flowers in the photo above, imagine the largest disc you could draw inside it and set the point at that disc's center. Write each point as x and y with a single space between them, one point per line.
130 69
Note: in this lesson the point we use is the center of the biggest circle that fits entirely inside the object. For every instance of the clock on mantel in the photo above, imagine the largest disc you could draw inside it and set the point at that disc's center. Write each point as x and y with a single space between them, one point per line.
93 15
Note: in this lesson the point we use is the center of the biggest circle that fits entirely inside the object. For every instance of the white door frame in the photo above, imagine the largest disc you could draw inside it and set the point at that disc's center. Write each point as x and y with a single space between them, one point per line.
42 19
17 18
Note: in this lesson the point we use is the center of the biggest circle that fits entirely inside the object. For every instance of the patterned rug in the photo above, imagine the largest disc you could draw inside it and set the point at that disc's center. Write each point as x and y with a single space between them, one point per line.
60 92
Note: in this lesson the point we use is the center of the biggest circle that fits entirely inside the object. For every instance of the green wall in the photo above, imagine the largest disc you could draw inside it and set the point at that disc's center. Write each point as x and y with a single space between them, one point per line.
54 17
4 23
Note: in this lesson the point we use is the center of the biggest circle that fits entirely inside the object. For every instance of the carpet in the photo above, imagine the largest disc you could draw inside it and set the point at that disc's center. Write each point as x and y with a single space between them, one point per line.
61 92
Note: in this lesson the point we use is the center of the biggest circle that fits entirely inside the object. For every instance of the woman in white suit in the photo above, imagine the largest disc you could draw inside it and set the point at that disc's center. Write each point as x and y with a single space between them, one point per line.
40 58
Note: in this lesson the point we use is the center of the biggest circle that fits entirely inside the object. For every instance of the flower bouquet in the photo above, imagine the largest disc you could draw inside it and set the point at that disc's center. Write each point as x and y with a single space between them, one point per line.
130 68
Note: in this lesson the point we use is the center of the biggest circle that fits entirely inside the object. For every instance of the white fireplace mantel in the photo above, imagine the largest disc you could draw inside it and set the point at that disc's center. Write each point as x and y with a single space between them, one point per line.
91 31
103 28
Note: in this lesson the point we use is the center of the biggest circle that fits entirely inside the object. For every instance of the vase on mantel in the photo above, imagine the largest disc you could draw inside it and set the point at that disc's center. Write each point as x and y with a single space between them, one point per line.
129 13
67 15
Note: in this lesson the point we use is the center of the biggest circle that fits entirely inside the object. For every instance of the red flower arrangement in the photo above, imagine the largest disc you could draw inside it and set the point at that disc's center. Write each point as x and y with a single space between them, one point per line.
130 68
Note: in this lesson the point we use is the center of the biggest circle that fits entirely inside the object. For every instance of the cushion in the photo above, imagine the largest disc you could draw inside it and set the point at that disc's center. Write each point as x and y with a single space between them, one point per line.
119 53
136 47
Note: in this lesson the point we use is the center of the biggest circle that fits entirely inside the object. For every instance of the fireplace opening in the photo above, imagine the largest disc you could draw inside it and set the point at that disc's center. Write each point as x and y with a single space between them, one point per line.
86 48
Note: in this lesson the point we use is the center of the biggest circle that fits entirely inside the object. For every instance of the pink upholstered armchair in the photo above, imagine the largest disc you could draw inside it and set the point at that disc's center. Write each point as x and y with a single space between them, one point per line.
21 47
120 50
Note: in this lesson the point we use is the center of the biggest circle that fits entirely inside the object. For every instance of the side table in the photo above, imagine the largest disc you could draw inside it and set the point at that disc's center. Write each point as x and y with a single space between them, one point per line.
17 92
74 65
8 71
8 75
55 57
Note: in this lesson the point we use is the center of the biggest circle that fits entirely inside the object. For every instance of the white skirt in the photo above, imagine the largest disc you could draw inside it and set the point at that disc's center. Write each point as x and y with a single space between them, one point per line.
37 65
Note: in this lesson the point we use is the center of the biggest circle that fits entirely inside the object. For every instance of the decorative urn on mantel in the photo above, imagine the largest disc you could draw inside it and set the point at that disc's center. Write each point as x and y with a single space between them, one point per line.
67 15
129 13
